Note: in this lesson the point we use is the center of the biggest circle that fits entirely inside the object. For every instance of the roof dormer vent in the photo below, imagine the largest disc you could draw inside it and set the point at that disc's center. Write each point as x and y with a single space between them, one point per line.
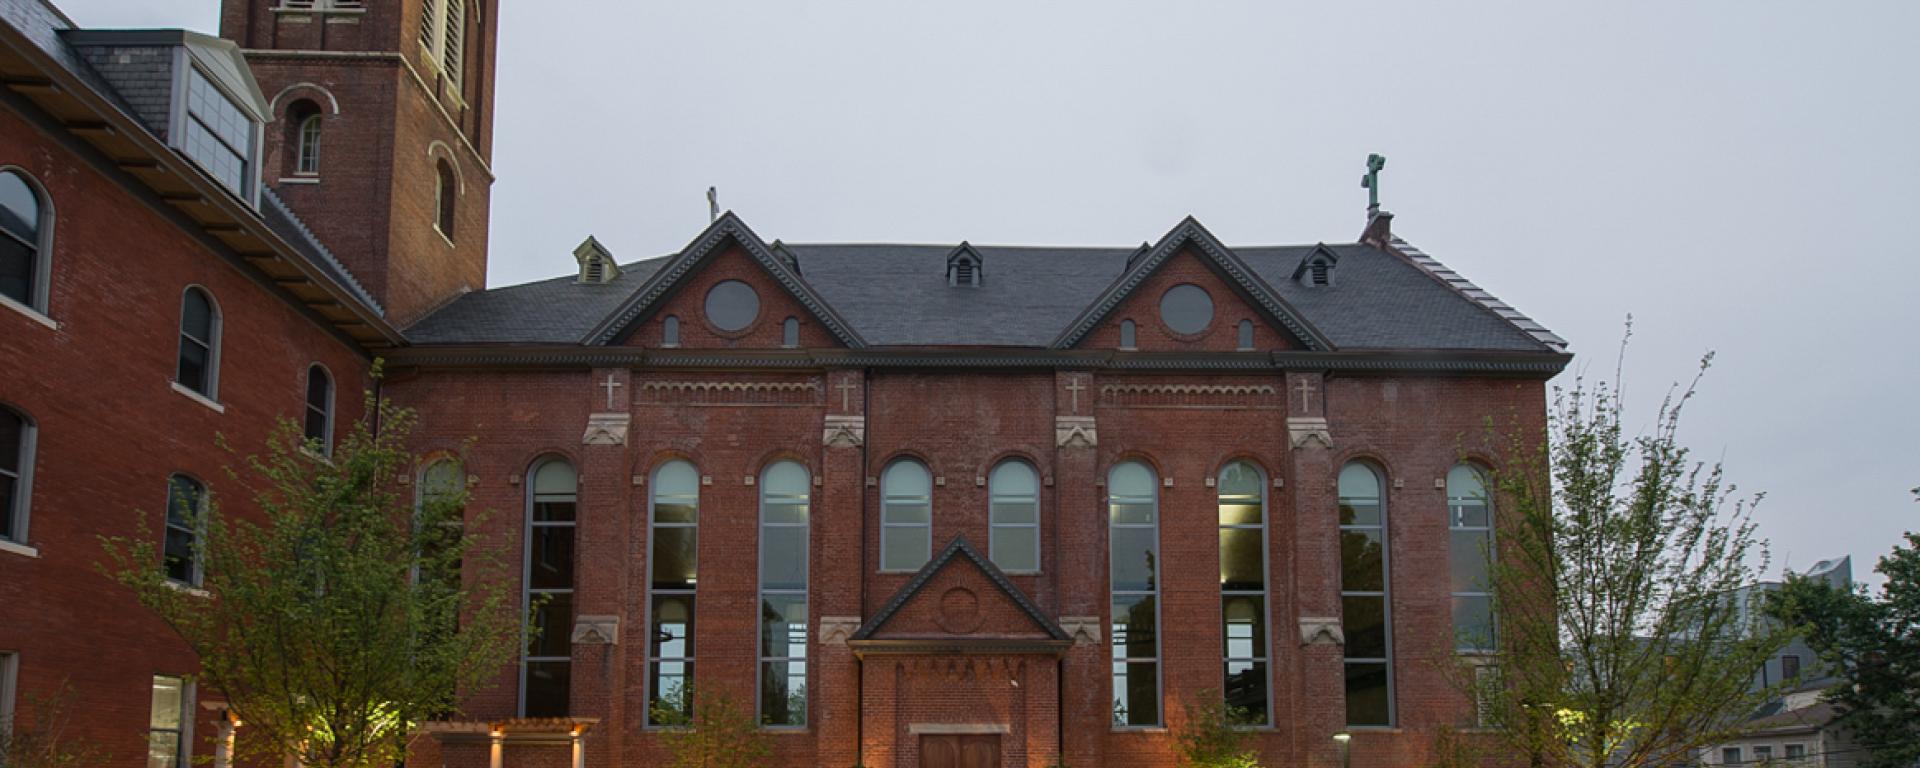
963 267
1316 269
597 266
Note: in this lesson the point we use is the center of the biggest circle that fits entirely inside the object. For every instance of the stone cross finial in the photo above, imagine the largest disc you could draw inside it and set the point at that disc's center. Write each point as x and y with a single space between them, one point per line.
610 386
1371 182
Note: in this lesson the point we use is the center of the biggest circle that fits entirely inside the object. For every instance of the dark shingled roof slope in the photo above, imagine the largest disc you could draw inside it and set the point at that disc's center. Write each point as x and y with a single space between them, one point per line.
897 295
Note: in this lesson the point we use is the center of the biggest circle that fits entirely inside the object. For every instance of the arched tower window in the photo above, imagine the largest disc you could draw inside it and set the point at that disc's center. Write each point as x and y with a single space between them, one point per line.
547 671
674 530
906 516
1133 520
199 366
303 120
25 251
1243 590
318 424
1363 596
1470 523
784 512
446 194
1014 488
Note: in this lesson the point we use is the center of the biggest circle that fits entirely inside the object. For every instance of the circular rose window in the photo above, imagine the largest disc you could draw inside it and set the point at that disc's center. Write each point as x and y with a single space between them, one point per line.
1186 308
732 305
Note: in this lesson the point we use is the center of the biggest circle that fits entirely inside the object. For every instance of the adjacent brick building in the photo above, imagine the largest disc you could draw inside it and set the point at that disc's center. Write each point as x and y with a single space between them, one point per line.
906 505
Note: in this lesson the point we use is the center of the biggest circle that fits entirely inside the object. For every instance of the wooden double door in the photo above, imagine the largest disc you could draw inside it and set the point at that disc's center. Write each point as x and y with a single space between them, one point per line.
959 750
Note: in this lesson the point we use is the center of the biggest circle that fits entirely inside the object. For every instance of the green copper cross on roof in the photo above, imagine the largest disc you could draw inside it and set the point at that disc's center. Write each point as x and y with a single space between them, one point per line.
1371 181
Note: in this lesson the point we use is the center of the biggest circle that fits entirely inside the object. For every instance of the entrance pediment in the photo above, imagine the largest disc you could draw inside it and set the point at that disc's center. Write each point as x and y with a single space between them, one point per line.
960 602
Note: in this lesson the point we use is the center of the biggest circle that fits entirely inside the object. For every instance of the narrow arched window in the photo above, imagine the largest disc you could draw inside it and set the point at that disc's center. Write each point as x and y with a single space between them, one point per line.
1470 520
670 331
185 533
199 368
318 425
1133 527
1243 591
674 530
16 474
552 509
790 332
1014 512
1127 335
1246 335
438 525
1363 596
906 516
784 511
446 193
308 155
25 255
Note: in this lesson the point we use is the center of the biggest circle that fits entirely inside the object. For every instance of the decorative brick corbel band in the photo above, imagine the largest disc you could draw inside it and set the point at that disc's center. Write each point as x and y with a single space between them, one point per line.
1075 432
1317 630
607 429
836 630
1085 630
596 630
1305 430
844 431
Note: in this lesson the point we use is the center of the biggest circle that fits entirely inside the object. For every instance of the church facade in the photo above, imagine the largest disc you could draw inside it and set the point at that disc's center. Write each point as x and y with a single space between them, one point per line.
903 505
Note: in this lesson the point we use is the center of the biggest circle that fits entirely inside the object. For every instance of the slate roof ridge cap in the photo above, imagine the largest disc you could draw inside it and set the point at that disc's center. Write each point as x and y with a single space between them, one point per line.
1461 285
55 10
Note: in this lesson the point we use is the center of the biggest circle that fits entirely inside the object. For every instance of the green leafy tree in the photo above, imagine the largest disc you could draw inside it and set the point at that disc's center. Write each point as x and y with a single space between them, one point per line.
1210 738
40 740
718 733
1619 642
1873 643
337 618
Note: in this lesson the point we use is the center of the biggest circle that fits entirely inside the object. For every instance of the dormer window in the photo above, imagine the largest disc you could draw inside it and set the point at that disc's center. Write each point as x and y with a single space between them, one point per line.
597 266
963 267
1316 269
219 135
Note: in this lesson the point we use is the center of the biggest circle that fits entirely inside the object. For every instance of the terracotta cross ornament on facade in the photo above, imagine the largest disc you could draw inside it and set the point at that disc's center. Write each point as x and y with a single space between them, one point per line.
1306 395
1074 387
610 386
846 390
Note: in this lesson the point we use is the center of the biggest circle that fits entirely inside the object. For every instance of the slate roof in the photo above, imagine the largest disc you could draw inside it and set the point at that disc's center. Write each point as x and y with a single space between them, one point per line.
897 296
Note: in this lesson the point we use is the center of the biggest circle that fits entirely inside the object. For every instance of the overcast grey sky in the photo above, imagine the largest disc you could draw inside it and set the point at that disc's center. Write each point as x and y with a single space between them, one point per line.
1734 174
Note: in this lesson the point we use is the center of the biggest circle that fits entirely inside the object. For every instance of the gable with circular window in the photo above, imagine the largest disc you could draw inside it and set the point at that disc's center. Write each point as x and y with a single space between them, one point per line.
1186 309
732 306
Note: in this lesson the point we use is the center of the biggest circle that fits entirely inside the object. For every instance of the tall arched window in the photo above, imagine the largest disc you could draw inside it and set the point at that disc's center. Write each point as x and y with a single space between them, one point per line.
318 425
1363 596
308 160
552 508
1243 590
186 526
25 228
199 368
1133 519
446 193
784 511
1014 512
674 530
1470 518
906 516
16 474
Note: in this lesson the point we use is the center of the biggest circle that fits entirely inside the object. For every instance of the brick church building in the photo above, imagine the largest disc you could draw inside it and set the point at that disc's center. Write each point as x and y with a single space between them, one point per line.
907 505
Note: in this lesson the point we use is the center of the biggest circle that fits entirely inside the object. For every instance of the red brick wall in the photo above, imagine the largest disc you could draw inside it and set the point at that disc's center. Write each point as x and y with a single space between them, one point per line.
111 430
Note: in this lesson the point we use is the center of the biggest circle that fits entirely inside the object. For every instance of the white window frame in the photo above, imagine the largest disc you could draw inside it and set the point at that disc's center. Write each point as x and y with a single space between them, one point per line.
307 145
185 732
326 415
1385 594
22 511
527 590
36 306
693 595
1159 639
888 500
1454 525
185 68
198 553
217 328
995 497
1263 654
436 17
806 603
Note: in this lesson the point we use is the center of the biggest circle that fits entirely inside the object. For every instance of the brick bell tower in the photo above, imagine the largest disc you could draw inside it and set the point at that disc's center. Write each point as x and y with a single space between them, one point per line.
382 134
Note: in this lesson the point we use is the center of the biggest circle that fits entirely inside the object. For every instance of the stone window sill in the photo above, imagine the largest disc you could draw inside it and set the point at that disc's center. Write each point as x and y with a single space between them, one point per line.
198 398
31 313
300 180
191 590
18 549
